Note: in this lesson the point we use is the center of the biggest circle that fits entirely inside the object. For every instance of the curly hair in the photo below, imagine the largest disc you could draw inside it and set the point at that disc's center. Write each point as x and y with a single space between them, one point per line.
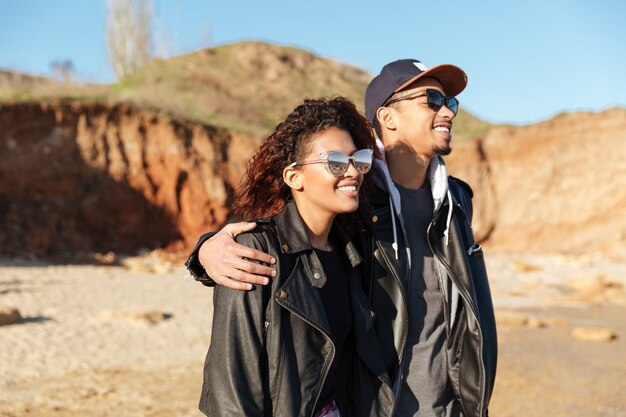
263 192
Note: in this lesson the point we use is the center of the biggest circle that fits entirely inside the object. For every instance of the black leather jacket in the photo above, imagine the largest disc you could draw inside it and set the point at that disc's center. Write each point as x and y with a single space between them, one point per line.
271 347
471 342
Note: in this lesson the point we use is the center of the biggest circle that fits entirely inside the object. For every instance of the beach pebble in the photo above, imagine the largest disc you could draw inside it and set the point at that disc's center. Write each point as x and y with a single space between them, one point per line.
138 265
108 258
9 315
513 320
139 316
593 334
589 284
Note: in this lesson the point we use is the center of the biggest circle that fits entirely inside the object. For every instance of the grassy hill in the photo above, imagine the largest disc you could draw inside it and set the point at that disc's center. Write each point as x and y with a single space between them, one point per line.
244 86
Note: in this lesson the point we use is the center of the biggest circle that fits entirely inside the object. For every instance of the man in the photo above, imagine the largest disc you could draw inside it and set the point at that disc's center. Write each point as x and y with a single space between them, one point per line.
426 277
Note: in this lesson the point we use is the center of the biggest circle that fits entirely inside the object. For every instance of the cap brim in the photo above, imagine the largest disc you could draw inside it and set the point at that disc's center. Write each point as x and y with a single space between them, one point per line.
452 78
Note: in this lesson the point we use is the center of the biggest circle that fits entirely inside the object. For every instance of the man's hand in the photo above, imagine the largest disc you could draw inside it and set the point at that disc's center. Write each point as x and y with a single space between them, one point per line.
222 259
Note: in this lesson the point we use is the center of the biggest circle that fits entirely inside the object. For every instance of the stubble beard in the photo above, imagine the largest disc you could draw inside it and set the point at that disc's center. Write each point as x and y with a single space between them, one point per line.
442 150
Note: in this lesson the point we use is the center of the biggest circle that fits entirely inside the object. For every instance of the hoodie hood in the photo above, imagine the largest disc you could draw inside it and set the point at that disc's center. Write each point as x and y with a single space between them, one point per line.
438 178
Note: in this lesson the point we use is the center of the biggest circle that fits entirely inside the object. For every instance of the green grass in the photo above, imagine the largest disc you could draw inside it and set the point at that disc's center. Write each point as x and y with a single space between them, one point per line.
230 87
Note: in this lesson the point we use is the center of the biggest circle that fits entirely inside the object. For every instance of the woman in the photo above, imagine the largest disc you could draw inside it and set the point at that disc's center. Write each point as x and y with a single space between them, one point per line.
289 349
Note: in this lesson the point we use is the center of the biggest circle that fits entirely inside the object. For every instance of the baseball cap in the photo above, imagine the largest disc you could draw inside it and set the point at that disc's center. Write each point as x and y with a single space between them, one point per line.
399 74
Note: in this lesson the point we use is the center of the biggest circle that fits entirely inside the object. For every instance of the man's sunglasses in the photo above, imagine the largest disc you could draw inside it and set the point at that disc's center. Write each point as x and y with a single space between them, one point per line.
434 98
337 163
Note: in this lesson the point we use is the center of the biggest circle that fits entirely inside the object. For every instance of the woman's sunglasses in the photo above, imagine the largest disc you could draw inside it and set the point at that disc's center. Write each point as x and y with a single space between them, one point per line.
434 98
337 163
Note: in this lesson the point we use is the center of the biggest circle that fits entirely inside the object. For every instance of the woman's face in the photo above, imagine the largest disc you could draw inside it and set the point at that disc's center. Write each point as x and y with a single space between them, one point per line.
320 191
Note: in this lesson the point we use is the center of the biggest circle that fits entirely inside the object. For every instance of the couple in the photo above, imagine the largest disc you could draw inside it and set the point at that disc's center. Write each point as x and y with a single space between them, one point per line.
380 308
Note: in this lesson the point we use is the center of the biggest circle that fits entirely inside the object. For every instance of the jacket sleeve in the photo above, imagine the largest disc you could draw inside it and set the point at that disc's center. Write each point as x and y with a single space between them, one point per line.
464 194
195 268
235 371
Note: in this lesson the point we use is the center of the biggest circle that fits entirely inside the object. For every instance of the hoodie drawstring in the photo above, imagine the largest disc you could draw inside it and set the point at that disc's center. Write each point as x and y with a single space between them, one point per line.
394 245
446 233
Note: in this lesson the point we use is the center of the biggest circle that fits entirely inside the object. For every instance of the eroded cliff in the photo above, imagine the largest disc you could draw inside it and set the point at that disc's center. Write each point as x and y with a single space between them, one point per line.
94 178
555 186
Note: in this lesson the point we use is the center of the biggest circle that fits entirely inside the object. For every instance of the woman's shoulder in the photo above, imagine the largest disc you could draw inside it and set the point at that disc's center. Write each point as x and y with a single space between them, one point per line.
261 236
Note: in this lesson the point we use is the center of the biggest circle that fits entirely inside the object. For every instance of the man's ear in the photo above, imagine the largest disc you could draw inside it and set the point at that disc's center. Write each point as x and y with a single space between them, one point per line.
386 118
292 178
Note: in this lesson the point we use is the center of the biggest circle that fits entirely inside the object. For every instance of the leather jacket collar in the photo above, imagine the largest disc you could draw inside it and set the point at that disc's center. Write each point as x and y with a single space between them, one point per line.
293 238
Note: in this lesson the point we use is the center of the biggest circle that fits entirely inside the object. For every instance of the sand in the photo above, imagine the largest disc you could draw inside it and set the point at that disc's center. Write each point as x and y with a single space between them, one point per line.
130 340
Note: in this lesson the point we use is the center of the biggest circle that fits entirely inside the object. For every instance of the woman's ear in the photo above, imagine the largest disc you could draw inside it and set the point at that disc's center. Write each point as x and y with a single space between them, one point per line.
292 178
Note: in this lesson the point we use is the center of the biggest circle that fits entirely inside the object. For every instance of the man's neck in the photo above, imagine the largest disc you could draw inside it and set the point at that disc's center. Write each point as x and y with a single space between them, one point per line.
406 167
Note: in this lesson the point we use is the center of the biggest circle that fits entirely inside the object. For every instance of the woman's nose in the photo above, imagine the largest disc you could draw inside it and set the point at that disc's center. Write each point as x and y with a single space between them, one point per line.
352 172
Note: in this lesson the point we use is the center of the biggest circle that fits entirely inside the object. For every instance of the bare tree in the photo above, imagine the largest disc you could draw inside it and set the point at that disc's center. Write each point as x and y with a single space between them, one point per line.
63 69
129 35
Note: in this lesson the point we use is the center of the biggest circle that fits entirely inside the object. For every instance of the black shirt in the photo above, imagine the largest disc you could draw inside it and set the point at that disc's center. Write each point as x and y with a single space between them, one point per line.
336 299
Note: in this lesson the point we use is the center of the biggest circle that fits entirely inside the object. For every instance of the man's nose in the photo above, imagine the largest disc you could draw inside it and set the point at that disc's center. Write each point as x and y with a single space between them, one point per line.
444 111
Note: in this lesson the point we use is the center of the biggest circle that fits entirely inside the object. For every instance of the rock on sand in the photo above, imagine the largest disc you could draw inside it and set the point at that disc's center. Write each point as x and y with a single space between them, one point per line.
9 315
593 334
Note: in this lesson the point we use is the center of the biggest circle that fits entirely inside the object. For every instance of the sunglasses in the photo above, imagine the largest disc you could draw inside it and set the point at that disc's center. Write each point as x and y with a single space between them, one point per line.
337 163
435 100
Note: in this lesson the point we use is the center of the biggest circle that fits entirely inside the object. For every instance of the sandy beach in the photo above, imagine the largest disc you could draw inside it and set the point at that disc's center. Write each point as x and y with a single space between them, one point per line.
130 339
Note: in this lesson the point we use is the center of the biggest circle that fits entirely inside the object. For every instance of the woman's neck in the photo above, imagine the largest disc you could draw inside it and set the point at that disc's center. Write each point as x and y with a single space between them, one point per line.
318 225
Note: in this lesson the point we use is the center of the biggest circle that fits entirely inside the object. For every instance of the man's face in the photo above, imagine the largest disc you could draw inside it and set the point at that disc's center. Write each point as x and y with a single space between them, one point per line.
426 131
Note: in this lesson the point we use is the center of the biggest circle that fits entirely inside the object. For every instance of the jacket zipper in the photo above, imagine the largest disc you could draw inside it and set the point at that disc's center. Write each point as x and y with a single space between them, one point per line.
466 298
475 248
404 339
266 326
446 313
326 367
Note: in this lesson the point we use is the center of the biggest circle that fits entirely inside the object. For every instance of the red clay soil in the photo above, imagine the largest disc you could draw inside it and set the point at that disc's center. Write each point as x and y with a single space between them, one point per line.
98 178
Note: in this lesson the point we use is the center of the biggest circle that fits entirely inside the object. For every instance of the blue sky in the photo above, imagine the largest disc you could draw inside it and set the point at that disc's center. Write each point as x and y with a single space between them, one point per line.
526 61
